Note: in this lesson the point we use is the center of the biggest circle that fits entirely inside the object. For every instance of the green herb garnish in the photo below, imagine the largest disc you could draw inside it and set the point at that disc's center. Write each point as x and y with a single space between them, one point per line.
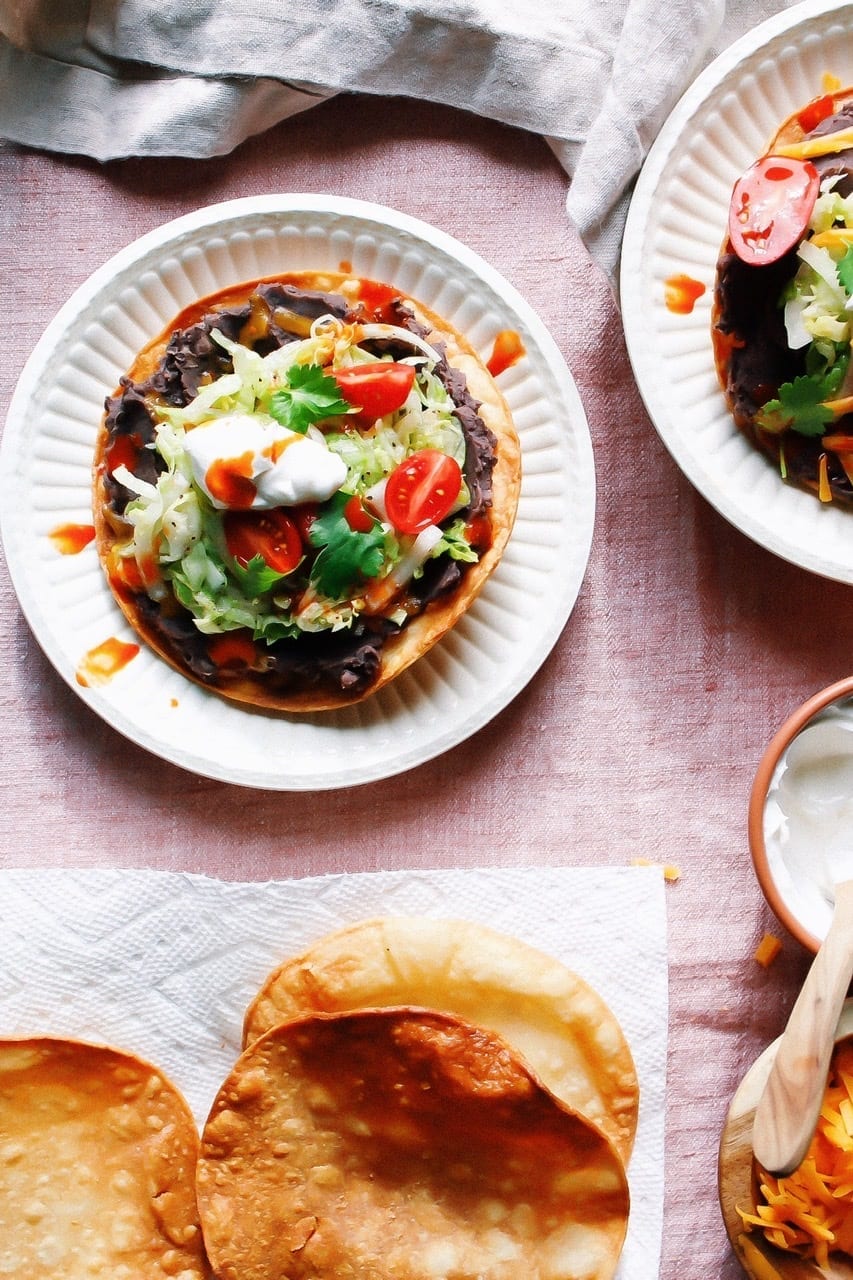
845 271
345 556
310 396
799 407
256 577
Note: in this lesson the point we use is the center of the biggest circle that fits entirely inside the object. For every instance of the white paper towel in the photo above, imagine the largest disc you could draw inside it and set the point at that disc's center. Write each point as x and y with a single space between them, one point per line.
164 964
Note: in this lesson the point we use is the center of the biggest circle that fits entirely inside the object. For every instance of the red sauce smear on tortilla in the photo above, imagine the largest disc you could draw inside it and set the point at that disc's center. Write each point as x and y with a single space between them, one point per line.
724 344
128 577
479 533
377 298
681 293
508 349
103 662
70 539
123 451
817 110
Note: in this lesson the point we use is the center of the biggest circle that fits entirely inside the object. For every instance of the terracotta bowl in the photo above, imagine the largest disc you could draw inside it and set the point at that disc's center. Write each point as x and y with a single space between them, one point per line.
797 905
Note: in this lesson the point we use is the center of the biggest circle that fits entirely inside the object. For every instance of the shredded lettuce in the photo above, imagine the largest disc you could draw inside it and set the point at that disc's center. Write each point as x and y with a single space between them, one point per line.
202 584
370 457
455 543
815 307
166 518
830 208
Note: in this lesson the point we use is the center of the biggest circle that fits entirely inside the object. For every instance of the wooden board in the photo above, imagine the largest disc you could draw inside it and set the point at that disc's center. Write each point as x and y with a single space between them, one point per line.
759 1259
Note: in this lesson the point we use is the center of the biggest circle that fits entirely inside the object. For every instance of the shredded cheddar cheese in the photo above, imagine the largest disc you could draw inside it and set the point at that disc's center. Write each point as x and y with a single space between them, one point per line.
810 1213
767 950
829 144
831 83
758 1265
833 238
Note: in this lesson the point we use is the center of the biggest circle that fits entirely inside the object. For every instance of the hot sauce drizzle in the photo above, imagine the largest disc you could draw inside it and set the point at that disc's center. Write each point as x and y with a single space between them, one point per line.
70 539
508 349
681 293
230 480
103 662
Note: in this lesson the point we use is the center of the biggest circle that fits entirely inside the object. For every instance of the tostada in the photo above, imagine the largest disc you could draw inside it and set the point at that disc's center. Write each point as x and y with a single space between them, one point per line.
301 486
783 300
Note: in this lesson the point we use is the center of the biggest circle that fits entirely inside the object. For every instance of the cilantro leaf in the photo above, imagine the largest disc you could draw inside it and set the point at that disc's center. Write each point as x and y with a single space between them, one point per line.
799 407
828 360
310 395
256 577
345 556
845 271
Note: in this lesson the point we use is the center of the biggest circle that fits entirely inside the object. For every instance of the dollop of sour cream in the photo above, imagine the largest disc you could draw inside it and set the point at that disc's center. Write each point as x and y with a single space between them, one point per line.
244 462
812 798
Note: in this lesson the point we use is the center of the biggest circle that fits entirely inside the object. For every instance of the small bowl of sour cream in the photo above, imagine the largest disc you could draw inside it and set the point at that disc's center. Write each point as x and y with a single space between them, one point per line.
801 813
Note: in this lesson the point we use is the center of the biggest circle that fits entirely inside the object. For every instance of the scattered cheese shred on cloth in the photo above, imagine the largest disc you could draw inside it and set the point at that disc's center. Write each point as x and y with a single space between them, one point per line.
767 950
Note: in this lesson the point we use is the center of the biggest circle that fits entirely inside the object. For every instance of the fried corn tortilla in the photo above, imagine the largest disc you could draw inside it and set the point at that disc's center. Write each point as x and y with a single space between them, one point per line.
97 1162
333 629
406 1144
560 1025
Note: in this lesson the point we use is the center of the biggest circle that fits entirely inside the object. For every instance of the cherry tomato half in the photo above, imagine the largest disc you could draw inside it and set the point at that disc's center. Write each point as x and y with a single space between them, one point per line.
376 389
770 208
272 535
422 490
359 520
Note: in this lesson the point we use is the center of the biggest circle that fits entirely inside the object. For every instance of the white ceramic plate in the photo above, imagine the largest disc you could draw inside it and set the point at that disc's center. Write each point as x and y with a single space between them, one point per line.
676 225
45 466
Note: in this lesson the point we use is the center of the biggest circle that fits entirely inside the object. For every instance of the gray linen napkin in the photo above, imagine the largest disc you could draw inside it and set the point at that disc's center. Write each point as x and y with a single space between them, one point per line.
596 78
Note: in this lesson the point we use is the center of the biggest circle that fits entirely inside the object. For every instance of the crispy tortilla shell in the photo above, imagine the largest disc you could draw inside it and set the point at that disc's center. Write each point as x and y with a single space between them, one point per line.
560 1025
97 1165
402 1144
424 629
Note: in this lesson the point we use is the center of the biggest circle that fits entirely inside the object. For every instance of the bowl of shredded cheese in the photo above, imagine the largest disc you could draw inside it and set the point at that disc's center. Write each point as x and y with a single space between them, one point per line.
801 813
799 1226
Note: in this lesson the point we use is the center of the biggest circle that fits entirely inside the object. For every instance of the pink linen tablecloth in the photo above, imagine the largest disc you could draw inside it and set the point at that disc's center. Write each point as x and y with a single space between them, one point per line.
639 736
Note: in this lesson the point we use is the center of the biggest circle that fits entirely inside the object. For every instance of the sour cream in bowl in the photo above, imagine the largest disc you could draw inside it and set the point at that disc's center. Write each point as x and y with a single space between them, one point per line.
801 813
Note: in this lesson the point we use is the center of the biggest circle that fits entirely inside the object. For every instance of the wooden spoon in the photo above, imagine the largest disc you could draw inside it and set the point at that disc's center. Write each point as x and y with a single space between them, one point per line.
787 1112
